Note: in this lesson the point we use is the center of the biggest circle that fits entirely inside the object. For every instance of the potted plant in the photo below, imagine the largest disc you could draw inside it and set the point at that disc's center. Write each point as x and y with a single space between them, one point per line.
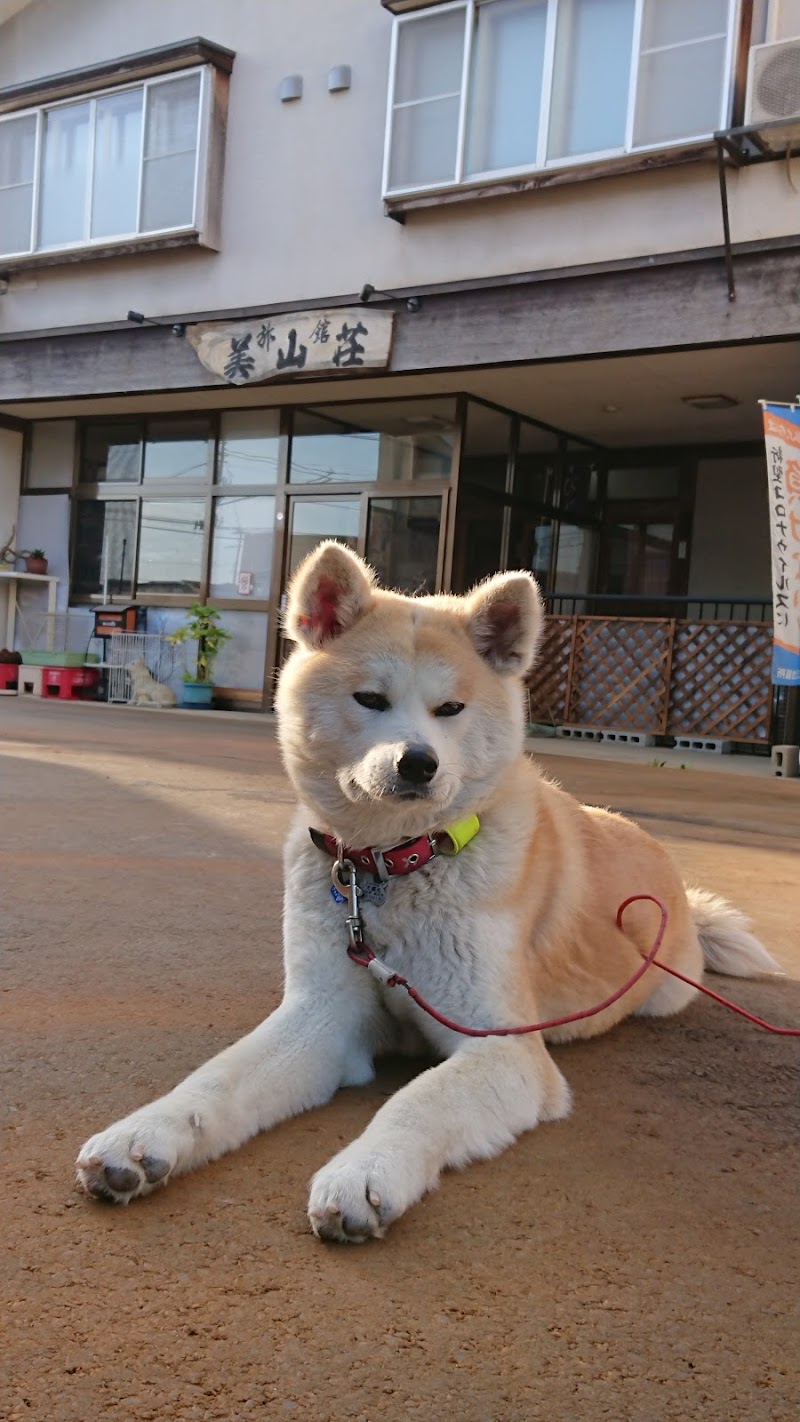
35 561
201 626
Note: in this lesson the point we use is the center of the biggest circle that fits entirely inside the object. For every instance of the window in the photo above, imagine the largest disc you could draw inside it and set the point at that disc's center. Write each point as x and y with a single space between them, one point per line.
478 548
575 558
105 548
178 449
249 447
376 442
482 87
639 559
312 520
506 80
427 100
403 542
171 546
17 164
120 165
591 69
662 482
163 450
112 454
241 563
152 521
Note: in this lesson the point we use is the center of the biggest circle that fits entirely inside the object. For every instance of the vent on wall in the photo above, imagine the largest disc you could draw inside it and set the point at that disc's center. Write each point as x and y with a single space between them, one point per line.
773 85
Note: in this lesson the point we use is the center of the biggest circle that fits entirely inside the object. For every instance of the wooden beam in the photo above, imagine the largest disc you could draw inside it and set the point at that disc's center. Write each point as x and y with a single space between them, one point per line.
663 307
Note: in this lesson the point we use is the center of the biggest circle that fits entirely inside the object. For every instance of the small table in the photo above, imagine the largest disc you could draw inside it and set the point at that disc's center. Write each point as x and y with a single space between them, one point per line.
12 579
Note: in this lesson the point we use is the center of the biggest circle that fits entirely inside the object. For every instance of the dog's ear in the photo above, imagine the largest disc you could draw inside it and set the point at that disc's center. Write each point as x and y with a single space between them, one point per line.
505 621
330 591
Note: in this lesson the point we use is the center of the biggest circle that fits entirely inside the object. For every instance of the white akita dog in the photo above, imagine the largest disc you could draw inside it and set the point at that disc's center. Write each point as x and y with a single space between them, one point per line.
401 726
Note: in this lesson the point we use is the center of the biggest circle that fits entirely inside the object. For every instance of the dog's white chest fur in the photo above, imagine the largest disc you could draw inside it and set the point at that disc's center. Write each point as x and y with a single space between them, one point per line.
431 929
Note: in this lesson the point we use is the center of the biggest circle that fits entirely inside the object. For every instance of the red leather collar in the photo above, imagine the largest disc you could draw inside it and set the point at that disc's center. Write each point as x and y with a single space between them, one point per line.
403 859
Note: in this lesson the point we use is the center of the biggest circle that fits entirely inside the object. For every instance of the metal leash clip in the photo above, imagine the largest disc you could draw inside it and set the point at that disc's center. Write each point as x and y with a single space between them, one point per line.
343 876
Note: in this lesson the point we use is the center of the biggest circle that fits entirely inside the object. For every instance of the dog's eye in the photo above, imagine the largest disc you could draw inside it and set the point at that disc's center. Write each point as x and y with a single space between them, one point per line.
449 708
372 700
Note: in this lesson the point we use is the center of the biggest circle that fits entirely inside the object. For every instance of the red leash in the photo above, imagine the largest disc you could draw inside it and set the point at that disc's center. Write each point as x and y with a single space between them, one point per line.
367 959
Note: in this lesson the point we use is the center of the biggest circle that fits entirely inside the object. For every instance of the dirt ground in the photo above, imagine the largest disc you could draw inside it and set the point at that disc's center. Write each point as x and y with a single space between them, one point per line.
638 1261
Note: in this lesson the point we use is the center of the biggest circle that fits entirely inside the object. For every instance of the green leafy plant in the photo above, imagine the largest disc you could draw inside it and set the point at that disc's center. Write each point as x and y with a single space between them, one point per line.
34 553
202 626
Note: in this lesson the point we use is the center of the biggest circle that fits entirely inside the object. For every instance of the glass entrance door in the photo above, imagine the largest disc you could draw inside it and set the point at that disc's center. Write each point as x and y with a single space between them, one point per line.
402 542
310 520
402 538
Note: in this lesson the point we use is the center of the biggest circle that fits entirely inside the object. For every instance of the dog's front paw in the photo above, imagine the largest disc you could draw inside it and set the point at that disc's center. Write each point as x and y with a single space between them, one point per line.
131 1158
350 1198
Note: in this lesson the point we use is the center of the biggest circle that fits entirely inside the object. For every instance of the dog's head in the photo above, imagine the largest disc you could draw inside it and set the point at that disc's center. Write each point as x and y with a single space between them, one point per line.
399 715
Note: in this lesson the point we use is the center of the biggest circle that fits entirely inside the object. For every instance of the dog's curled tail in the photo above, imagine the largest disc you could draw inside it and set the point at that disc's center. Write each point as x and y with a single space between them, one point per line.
725 938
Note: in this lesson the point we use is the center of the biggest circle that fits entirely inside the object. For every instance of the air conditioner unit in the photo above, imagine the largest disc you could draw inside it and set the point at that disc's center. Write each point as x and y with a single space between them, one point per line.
773 89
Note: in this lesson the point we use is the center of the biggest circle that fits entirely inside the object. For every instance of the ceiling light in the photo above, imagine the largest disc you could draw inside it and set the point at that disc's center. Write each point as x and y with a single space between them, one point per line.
709 402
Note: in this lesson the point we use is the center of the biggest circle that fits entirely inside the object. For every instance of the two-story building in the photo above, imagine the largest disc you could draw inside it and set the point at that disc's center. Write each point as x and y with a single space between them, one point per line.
469 284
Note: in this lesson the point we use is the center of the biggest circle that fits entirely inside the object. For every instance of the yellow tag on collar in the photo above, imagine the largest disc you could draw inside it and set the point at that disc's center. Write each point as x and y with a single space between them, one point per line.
460 834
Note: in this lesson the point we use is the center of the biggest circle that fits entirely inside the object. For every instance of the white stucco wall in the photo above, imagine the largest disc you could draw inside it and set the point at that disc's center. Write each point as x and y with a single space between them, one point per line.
302 210
44 523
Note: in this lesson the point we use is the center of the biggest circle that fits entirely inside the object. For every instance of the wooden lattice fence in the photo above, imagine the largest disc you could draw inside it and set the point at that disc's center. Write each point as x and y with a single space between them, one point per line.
720 684
665 676
548 688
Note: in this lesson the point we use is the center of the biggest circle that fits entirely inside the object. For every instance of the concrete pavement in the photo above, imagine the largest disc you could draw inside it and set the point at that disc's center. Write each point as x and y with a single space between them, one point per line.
638 1261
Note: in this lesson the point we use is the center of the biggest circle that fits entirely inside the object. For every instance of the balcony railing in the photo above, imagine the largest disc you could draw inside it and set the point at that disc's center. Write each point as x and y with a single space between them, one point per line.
719 608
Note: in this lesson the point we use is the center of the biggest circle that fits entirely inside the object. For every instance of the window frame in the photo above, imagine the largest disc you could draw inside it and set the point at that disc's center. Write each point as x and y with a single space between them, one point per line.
165 490
542 165
195 229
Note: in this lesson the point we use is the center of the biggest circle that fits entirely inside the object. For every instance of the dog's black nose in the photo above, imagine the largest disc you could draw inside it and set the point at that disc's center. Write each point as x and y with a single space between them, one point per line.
417 765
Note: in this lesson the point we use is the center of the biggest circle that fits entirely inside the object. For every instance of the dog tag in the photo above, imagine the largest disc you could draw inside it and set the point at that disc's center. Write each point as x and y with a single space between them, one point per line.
374 891
336 896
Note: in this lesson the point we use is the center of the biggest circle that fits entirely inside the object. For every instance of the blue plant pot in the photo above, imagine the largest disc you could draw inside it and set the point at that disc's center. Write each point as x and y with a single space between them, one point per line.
198 694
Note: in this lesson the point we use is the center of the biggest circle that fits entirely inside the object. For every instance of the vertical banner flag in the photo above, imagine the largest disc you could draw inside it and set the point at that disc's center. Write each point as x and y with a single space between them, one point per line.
782 436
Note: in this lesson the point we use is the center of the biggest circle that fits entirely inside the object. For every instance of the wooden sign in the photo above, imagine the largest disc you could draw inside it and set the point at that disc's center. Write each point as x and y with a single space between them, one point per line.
299 343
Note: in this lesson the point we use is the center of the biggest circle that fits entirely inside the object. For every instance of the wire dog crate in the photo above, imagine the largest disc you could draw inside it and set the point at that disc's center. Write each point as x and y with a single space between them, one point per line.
125 649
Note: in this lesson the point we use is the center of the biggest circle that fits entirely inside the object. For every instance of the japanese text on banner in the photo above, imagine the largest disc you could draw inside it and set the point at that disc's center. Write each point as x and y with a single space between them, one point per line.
782 437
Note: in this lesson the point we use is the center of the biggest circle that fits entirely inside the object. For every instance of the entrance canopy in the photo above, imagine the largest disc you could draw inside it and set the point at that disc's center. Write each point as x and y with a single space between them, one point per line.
686 397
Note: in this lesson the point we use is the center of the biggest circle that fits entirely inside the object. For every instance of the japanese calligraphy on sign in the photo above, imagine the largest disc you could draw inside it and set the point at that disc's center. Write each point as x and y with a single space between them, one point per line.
782 436
300 343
